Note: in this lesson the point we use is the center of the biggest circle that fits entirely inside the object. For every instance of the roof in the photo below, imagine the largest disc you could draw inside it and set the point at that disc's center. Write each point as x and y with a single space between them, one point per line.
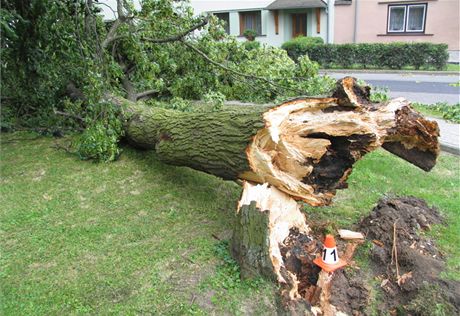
296 4
200 6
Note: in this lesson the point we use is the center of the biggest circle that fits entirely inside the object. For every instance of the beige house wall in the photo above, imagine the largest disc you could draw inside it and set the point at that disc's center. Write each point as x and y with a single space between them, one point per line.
442 23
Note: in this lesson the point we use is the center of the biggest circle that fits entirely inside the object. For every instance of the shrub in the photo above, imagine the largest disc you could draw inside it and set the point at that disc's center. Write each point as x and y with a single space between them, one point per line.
296 47
391 55
302 41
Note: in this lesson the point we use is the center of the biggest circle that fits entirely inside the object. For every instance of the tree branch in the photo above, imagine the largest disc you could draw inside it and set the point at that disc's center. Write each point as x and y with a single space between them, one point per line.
145 94
179 36
109 7
88 17
122 17
79 118
129 88
111 34
120 9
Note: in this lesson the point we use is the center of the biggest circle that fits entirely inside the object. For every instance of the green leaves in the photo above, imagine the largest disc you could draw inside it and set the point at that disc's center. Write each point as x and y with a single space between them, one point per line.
99 141
391 55
50 45
449 112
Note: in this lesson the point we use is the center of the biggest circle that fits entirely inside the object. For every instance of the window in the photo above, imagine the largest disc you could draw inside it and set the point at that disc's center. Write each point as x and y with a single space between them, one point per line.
406 18
250 20
226 19
416 18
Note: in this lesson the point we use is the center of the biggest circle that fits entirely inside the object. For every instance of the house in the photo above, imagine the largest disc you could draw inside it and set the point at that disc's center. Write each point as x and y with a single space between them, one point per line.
274 21
383 21
342 21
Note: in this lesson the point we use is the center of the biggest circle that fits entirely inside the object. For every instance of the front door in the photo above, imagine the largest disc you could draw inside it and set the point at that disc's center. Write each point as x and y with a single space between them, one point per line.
299 24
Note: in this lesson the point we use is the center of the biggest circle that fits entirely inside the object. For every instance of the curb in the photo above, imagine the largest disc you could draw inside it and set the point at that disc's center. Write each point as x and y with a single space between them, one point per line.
389 71
450 149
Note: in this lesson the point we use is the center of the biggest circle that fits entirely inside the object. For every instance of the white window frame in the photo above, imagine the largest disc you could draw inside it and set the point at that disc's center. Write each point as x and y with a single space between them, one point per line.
423 21
389 15
406 17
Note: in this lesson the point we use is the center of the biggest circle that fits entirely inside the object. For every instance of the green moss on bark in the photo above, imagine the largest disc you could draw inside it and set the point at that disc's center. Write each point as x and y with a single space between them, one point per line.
213 142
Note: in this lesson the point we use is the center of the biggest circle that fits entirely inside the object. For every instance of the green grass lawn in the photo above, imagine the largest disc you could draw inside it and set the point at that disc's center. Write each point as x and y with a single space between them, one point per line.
138 237
453 67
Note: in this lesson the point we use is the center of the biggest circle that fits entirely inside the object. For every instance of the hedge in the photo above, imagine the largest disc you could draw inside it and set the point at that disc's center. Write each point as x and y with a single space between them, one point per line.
376 55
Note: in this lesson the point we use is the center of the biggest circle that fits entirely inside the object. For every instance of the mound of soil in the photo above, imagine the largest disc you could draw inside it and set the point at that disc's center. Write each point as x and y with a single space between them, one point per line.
404 261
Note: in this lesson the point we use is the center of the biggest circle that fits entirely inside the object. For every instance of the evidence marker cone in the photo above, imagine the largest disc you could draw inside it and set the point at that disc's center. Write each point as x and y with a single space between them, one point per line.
329 260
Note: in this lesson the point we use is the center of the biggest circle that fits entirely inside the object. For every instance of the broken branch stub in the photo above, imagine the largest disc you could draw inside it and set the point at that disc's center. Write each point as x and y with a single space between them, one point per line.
304 147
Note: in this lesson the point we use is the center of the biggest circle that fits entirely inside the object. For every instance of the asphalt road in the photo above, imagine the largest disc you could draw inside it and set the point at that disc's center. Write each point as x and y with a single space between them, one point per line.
424 88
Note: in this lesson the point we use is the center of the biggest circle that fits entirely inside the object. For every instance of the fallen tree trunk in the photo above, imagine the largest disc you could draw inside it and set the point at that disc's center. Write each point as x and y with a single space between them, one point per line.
305 147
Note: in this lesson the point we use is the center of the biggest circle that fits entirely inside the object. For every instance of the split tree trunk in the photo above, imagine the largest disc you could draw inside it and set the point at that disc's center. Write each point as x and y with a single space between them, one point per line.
271 238
305 147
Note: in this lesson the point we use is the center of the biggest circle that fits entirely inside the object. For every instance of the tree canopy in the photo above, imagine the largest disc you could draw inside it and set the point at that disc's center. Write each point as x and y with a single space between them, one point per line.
60 59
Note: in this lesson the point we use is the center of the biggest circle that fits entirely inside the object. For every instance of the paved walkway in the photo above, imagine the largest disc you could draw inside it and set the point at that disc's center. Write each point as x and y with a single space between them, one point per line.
417 87
450 136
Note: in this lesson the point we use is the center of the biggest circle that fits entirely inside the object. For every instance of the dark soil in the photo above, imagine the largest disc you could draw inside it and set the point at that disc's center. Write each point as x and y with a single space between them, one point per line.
399 222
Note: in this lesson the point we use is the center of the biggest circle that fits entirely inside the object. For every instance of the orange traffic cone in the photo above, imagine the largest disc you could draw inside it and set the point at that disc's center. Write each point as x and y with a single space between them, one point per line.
329 261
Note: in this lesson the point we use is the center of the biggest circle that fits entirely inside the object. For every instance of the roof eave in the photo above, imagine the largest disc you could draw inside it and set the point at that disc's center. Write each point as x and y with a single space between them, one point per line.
278 5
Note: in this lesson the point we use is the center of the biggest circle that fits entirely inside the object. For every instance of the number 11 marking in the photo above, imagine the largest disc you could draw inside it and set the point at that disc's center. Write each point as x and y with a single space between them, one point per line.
333 253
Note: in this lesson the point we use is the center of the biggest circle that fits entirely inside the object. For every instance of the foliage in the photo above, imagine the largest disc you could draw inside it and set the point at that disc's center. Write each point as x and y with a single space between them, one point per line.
179 104
249 45
449 112
100 140
379 95
216 99
40 56
390 55
49 46
301 42
250 34
193 80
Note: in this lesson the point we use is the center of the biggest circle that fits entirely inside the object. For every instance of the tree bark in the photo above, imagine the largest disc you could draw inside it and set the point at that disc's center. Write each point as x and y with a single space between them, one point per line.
305 147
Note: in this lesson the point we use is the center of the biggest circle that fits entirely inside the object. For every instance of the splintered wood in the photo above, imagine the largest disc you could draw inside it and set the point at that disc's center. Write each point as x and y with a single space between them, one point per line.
271 237
265 217
308 146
